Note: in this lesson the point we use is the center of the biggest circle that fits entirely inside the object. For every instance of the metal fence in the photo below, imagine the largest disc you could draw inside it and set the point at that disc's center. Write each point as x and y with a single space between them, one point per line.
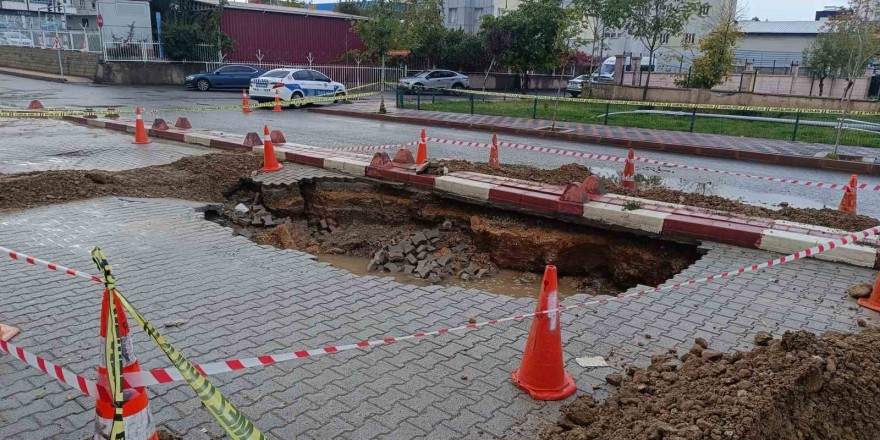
154 52
799 126
348 74
67 40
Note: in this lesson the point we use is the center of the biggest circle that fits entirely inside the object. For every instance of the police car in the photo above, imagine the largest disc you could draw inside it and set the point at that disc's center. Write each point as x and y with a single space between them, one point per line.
293 84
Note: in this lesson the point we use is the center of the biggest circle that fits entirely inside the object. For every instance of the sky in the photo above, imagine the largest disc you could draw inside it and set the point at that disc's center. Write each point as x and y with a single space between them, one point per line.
787 9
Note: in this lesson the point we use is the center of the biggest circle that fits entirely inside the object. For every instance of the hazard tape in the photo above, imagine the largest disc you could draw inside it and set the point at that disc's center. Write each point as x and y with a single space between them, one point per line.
371 147
112 357
167 375
611 158
657 104
227 415
59 373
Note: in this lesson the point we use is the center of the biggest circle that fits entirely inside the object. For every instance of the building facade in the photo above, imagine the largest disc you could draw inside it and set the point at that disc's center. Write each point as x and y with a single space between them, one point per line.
467 14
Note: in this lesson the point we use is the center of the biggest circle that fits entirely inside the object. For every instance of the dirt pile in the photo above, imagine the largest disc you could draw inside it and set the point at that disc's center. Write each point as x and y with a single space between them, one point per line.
800 387
200 178
648 188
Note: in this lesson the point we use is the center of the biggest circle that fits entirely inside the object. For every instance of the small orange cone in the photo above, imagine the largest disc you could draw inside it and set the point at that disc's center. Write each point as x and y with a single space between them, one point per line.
872 302
270 162
245 103
422 152
277 102
629 171
848 202
542 373
140 133
493 153
35 105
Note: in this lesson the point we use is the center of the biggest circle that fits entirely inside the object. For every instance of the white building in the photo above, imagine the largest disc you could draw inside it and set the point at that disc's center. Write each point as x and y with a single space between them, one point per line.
466 14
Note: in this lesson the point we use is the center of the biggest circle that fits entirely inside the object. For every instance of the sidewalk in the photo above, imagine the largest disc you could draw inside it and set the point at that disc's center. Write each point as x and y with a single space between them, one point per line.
44 76
751 149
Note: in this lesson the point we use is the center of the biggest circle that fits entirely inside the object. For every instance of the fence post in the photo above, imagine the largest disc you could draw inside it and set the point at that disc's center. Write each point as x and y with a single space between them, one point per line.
434 96
797 122
418 99
472 104
693 118
535 109
607 110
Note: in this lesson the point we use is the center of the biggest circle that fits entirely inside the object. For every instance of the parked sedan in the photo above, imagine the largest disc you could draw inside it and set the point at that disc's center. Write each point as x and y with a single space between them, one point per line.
436 79
227 77
294 84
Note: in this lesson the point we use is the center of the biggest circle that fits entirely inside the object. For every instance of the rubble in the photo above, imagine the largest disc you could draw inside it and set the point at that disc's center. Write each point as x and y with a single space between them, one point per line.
416 254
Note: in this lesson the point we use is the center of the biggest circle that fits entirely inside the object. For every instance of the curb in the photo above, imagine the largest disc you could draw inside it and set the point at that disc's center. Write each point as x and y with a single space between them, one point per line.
656 219
696 150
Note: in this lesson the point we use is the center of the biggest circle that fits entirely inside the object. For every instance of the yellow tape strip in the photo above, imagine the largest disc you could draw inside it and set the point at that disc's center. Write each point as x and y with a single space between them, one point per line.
227 415
112 358
664 104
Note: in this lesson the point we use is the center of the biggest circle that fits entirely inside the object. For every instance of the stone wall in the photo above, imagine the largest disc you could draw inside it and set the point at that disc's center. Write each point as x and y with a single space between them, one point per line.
135 72
36 59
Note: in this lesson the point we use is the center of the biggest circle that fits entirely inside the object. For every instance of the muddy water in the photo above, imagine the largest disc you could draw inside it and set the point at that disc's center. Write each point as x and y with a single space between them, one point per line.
506 282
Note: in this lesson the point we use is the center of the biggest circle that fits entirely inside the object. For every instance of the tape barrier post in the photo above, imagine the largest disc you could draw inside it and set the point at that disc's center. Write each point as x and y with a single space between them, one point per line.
236 425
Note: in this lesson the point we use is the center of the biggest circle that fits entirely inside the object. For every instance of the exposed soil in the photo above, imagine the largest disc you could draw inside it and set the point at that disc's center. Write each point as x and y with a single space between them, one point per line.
200 178
165 435
800 387
577 173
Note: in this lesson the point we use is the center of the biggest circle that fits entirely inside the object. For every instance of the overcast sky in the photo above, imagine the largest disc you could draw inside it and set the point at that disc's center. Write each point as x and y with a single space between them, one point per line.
787 9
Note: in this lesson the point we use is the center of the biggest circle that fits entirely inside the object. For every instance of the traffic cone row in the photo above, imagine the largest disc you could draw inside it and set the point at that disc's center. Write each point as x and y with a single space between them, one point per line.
136 414
245 103
270 162
849 203
629 171
542 372
140 132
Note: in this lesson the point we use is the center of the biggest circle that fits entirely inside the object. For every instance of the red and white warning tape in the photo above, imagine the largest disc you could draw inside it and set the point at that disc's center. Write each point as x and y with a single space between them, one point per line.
166 375
663 163
63 375
372 147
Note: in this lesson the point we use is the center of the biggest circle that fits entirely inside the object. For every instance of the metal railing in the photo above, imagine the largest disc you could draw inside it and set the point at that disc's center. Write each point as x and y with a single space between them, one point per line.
348 74
155 52
67 40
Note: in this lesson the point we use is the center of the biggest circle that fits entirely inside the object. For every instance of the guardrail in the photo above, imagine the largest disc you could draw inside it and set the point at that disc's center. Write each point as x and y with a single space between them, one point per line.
67 40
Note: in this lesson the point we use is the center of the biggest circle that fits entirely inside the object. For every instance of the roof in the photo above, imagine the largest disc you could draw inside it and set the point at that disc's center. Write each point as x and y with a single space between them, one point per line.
283 10
782 27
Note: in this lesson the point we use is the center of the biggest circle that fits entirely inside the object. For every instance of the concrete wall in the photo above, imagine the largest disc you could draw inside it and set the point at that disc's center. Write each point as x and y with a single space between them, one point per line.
700 96
131 73
507 81
75 63
776 43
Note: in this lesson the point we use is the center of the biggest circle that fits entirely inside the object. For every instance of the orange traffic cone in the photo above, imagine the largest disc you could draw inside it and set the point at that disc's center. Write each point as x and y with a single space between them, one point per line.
140 133
422 152
136 404
848 202
277 102
270 162
629 171
493 153
245 103
872 302
542 373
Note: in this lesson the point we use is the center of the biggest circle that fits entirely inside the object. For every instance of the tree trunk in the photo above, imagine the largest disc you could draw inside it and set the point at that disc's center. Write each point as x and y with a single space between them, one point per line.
486 77
648 78
525 84
821 86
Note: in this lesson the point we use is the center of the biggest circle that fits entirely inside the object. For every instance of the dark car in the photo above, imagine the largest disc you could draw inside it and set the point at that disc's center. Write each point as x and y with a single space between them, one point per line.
234 76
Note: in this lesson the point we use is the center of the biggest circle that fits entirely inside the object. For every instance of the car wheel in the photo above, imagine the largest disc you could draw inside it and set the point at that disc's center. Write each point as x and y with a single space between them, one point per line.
296 95
203 85
575 94
418 88
340 97
458 86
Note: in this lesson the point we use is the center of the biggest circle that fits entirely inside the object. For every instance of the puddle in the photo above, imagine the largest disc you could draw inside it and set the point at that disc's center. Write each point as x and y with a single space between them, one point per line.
505 282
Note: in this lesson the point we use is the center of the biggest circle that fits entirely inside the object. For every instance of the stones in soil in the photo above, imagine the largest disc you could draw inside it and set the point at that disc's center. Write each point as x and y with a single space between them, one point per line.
416 254
801 386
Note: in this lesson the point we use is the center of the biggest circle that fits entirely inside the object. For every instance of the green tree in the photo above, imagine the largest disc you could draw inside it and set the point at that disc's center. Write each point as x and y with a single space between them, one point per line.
654 21
351 7
540 31
717 49
496 41
186 24
597 18
384 30
426 34
820 58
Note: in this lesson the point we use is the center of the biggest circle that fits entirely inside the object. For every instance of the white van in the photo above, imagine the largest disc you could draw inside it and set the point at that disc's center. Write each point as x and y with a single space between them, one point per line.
604 74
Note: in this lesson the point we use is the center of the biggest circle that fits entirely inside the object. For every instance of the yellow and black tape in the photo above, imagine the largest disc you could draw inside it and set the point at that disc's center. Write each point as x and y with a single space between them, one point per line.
112 357
227 415
665 104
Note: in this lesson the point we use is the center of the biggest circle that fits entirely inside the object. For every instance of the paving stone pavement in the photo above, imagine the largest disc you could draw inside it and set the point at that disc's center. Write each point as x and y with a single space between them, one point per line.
240 299
47 144
293 172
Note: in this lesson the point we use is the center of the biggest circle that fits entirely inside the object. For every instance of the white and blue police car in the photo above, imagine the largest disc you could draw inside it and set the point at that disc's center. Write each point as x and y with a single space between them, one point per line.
293 84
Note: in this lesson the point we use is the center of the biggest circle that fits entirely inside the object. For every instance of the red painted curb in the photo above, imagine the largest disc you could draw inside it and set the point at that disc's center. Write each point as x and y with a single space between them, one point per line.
752 156
737 234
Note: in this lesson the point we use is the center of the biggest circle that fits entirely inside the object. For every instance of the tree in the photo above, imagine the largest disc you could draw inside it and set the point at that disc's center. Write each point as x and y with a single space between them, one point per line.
820 57
186 24
540 31
597 18
717 49
425 31
654 21
351 7
496 41
384 29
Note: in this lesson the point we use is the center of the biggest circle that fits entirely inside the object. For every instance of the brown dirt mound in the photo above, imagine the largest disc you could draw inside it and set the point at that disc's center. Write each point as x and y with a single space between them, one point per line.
800 387
577 173
201 178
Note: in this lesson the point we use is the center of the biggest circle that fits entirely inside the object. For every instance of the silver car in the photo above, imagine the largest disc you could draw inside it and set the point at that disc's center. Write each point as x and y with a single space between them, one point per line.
436 79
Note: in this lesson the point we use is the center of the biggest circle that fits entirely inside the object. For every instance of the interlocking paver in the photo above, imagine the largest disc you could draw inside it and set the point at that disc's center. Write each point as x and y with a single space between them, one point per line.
243 300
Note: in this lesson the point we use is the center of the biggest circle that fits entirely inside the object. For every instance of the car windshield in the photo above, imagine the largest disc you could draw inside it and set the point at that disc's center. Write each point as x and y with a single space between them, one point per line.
606 70
580 78
277 73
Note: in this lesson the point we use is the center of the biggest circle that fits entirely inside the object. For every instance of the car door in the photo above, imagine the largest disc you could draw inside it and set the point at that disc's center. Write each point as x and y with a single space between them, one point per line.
241 76
322 83
448 79
222 76
303 79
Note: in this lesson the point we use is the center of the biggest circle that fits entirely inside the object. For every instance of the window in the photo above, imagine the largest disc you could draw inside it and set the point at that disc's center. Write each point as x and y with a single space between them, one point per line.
318 76
278 73
664 38
302 75
452 17
704 9
688 38
82 4
435 74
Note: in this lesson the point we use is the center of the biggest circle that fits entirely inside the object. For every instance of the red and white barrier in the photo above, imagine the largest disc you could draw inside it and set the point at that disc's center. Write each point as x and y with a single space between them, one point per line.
61 374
